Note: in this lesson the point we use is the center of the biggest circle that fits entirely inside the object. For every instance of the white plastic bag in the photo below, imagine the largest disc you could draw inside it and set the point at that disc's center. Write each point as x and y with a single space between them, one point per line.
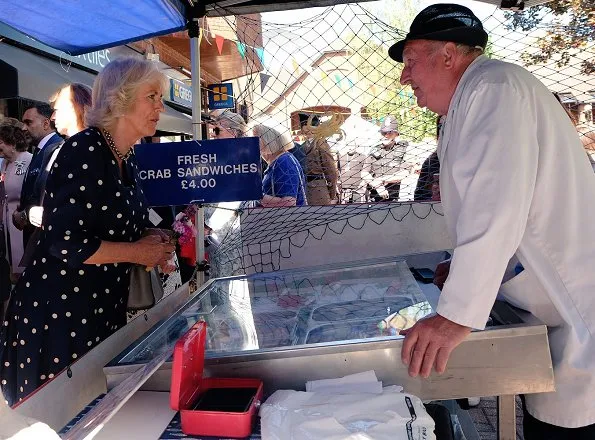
297 415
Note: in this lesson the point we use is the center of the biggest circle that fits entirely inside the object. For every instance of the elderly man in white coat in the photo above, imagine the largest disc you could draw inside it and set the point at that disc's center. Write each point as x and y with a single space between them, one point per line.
516 187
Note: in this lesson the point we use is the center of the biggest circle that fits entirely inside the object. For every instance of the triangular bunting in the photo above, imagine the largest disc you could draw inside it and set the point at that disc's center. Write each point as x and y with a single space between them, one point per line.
241 48
338 79
295 64
264 79
260 53
219 40
200 31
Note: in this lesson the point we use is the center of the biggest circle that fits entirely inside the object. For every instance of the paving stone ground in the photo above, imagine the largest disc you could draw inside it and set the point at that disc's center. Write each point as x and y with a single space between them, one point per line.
484 417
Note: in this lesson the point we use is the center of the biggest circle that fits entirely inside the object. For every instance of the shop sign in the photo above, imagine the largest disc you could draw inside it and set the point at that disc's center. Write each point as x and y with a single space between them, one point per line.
180 93
210 171
221 96
95 61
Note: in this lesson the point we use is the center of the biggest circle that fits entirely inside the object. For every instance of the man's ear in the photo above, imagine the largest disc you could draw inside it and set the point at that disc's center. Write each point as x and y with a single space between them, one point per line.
449 53
46 124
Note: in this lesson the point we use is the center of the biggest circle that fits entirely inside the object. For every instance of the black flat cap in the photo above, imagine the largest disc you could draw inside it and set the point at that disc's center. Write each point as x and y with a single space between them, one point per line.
443 22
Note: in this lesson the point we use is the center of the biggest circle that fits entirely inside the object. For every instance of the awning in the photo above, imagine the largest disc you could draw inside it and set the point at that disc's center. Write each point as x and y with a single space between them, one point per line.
173 121
30 76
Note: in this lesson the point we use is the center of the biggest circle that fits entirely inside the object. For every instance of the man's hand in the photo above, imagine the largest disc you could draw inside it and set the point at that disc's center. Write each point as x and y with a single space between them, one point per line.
382 192
19 220
429 343
441 273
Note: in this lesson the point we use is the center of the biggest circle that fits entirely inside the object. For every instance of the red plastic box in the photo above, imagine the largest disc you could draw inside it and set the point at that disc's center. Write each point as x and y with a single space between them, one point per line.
189 388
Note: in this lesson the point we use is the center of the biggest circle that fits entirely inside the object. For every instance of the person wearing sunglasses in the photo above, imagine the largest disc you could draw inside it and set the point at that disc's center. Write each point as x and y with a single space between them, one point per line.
226 125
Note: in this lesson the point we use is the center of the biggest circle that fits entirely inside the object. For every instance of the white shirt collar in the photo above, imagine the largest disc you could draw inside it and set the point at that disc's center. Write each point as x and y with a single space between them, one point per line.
45 140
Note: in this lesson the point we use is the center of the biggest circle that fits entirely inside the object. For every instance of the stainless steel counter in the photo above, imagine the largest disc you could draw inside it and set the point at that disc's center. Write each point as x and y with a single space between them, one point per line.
292 326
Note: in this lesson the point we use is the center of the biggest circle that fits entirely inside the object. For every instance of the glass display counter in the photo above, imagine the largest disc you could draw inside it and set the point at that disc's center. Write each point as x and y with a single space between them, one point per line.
264 312
294 326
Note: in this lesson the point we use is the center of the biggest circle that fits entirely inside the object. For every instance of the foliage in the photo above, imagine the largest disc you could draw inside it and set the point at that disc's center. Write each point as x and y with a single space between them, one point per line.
570 27
370 60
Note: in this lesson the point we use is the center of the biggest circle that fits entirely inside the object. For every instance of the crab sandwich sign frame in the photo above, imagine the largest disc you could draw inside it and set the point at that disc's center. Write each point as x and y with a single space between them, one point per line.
210 171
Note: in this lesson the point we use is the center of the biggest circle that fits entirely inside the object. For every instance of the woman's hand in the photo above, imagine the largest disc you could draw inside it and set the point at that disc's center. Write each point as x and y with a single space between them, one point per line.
152 251
277 202
165 234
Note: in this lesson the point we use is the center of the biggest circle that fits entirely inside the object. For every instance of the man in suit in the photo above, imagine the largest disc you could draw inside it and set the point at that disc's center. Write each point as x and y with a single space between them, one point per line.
45 140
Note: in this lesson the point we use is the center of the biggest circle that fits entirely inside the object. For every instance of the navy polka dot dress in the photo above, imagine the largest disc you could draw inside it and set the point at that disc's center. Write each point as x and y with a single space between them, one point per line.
61 307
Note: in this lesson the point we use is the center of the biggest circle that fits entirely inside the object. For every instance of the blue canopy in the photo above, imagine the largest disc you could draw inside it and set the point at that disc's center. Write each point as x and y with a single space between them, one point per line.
81 26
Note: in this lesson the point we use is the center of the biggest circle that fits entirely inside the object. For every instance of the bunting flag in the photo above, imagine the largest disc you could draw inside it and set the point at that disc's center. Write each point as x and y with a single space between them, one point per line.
200 31
295 64
350 83
241 48
373 89
260 53
338 79
219 40
264 79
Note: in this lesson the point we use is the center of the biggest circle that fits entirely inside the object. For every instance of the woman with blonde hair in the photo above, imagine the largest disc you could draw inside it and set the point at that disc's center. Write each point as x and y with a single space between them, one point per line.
74 293
322 173
283 182
70 104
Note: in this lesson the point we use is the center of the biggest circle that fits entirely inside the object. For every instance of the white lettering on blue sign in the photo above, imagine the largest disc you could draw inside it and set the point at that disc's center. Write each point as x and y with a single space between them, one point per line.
214 170
98 58
195 159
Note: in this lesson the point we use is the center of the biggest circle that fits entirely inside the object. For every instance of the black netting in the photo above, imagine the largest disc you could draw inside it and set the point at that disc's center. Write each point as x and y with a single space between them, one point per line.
328 84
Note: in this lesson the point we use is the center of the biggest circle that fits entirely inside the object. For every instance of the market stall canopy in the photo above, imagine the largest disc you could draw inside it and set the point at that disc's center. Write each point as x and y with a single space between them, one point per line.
84 26
30 76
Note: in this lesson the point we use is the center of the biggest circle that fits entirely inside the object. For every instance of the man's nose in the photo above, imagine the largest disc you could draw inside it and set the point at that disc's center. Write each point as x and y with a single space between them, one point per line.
405 77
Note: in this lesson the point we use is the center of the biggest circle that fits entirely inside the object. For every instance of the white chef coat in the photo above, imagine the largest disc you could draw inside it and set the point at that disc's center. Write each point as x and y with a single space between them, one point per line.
514 181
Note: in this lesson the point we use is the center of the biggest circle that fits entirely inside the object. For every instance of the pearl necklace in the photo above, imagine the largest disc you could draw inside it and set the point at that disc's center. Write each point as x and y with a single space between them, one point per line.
112 145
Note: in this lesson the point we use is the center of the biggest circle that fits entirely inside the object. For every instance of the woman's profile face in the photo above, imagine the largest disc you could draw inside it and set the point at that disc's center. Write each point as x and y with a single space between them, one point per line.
64 115
218 131
143 117
6 150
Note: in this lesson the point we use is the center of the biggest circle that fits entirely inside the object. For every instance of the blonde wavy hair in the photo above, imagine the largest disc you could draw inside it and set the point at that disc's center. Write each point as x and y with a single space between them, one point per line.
116 87
324 129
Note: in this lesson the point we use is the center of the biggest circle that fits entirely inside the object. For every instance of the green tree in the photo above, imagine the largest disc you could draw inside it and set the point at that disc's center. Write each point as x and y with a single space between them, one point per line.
571 27
371 62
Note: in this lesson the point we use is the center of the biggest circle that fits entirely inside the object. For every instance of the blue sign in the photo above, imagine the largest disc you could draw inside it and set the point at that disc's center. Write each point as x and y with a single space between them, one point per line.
221 96
180 93
211 171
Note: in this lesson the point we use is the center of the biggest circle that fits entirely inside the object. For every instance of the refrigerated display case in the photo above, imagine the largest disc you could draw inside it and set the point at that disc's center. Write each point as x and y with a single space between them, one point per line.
280 310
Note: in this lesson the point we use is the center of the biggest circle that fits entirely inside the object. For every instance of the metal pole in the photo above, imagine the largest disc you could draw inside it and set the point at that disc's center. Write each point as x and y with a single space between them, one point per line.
197 135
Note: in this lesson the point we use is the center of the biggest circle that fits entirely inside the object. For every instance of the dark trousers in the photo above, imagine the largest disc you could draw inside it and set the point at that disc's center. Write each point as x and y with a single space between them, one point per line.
534 429
393 193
